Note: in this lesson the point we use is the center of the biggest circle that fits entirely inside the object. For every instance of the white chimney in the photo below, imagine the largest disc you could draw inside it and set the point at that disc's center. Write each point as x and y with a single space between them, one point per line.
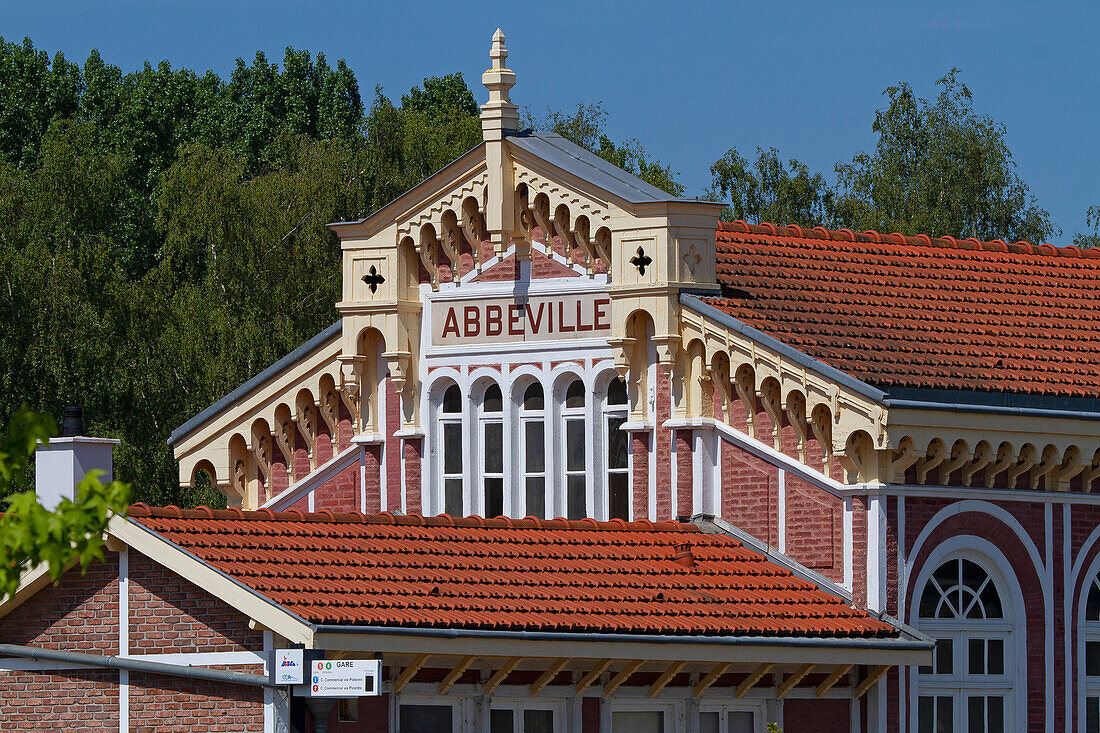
62 463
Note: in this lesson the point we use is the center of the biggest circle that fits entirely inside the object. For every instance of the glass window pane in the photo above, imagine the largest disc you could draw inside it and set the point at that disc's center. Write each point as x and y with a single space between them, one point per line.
532 397
575 448
501 721
426 719
536 497
995 657
638 722
741 721
617 443
709 723
452 399
452 447
991 601
928 601
975 714
995 714
452 499
576 507
945 714
494 496
1092 715
493 402
534 446
1092 605
972 575
926 714
494 447
945 652
976 655
1092 658
574 394
618 496
616 392
538 721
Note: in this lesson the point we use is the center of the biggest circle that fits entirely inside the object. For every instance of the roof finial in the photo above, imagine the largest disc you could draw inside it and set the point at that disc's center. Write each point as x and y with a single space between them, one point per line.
498 114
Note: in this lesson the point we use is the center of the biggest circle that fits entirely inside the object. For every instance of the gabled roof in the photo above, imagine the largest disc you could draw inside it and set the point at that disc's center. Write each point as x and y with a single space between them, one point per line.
920 313
509 574
588 166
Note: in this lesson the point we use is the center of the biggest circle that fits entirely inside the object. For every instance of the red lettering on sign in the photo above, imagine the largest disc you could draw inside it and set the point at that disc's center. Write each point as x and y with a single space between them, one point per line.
473 320
598 307
561 319
450 324
580 320
515 318
535 322
494 320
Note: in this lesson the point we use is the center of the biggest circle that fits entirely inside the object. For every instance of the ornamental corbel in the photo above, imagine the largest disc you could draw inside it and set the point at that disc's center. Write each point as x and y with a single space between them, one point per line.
351 369
622 349
399 363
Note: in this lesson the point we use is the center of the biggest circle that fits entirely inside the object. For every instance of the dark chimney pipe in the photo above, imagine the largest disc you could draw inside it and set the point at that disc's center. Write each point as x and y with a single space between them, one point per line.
74 422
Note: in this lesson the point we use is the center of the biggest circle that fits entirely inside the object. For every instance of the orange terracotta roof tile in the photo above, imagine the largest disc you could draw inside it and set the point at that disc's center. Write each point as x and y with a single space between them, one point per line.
917 312
509 574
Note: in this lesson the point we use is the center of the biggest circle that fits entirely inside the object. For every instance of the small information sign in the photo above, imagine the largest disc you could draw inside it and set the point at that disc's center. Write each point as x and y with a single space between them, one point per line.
344 677
288 667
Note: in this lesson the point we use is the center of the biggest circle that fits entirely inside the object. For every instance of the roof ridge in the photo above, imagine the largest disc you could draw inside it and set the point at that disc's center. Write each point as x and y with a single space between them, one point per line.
873 237
141 510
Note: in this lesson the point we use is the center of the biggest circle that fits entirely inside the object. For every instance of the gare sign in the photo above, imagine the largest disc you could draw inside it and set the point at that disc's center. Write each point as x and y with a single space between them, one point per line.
534 318
344 678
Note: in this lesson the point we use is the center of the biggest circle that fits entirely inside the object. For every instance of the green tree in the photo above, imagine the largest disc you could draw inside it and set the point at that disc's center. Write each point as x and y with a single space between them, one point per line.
29 533
585 127
768 190
1092 221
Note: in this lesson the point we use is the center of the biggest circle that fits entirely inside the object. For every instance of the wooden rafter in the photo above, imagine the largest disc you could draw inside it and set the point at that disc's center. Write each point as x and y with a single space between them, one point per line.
753 678
593 675
712 677
409 672
831 680
666 677
455 673
548 676
871 679
623 675
794 679
500 674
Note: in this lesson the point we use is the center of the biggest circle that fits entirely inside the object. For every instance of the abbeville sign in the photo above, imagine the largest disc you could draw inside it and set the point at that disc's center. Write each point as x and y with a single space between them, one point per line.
536 318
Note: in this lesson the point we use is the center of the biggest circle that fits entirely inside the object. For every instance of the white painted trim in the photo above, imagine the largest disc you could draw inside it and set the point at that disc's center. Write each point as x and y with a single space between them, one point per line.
781 511
269 693
783 461
847 540
244 599
363 479
318 477
994 562
1048 524
1067 598
1006 495
901 592
1079 679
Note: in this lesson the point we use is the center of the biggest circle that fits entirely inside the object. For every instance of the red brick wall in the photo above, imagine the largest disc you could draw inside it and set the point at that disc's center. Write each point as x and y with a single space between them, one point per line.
161 704
77 700
663 448
170 615
816 716
340 493
815 528
80 612
685 480
393 448
640 483
590 715
750 494
374 717
413 491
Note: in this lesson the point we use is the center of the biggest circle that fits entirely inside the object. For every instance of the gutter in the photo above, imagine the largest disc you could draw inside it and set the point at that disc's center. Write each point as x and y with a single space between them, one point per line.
922 643
991 409
136 665
693 302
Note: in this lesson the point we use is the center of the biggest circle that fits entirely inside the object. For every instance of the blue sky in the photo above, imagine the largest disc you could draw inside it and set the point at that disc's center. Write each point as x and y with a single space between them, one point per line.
689 81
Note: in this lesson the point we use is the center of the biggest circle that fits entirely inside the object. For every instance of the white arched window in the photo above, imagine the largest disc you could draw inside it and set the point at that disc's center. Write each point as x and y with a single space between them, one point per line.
969 686
450 438
492 452
618 451
1091 632
574 435
533 434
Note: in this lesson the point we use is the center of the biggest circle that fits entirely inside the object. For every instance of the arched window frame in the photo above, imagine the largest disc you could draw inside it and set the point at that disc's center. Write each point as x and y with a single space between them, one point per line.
1090 655
452 484
574 431
492 442
532 470
616 455
959 685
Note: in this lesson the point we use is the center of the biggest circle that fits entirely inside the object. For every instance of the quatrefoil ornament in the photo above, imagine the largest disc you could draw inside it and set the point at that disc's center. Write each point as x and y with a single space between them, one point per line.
373 279
641 261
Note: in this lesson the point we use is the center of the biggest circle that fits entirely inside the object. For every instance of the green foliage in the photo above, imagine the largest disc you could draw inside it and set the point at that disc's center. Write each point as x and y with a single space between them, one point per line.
773 727
937 168
31 534
1092 221
585 127
769 190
